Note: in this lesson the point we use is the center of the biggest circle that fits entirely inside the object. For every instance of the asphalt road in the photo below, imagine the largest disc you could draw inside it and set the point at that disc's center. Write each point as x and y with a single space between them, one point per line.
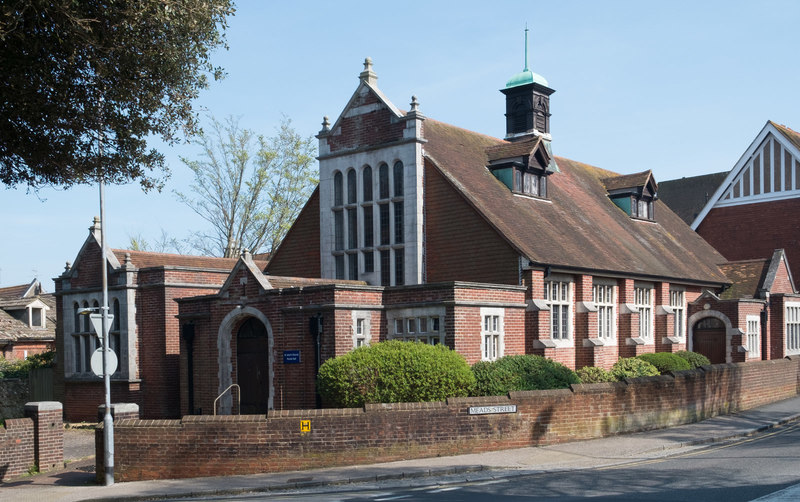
743 470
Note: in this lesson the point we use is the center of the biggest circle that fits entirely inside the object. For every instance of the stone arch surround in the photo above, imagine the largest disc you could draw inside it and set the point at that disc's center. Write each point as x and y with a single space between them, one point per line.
224 355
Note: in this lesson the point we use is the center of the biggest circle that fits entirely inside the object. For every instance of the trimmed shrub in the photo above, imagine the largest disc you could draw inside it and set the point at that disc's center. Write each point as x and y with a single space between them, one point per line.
666 361
593 374
394 372
631 367
694 359
522 372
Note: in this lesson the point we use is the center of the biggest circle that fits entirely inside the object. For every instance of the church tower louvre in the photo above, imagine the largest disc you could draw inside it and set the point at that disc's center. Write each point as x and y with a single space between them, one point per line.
527 104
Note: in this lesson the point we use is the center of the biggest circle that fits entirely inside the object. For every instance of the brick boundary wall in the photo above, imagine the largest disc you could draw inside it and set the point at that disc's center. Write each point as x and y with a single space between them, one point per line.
226 445
36 440
16 447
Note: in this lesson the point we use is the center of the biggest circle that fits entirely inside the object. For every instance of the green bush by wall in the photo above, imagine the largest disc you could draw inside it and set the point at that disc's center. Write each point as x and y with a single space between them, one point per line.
594 374
522 372
666 361
694 359
394 372
631 367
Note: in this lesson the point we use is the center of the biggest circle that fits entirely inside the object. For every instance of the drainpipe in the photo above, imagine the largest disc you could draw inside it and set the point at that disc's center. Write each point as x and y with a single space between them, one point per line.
315 327
188 337
764 323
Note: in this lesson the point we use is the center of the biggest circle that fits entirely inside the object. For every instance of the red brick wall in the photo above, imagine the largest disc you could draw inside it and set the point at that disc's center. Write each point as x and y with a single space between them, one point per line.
373 128
298 254
782 284
34 441
16 447
759 229
459 244
381 433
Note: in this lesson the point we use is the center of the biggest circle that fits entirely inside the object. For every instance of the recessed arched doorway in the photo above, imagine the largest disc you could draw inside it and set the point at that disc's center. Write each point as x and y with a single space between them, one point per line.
252 366
708 338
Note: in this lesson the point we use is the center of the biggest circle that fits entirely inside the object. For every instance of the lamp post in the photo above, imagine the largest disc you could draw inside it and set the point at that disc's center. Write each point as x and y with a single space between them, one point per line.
108 422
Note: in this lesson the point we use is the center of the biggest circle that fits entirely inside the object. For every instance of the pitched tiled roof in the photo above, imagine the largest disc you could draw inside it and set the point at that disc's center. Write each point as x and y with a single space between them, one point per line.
792 136
146 259
747 277
579 227
688 196
628 180
12 329
507 150
17 291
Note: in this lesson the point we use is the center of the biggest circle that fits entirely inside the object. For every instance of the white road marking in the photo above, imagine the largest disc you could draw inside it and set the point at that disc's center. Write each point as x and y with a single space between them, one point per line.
790 494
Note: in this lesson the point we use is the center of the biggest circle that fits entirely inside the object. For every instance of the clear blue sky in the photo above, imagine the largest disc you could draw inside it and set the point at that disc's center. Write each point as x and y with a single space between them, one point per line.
679 87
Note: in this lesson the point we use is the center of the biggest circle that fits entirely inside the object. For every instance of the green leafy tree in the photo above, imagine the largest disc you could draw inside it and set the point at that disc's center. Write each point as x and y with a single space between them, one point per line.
78 71
249 188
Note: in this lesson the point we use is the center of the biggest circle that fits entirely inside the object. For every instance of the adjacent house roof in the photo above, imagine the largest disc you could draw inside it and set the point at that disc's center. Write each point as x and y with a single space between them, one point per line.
14 301
147 259
753 278
578 227
687 196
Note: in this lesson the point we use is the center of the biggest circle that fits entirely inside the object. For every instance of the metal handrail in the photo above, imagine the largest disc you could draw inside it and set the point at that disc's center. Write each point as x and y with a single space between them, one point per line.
238 395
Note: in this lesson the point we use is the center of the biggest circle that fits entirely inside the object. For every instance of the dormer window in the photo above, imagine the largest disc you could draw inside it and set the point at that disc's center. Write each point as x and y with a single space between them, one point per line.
634 193
523 166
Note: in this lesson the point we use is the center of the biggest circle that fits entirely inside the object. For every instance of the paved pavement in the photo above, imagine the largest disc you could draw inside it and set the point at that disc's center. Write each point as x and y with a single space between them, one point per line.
76 482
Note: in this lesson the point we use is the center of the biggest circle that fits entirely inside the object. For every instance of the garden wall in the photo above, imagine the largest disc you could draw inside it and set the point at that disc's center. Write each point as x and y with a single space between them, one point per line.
14 393
283 440
33 442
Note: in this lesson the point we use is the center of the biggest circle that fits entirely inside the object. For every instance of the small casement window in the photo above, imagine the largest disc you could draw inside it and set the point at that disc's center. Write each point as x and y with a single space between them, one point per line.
338 189
643 301
422 327
37 318
398 179
351 186
753 342
792 328
367 184
361 329
491 335
530 183
678 304
558 295
383 181
603 298
642 208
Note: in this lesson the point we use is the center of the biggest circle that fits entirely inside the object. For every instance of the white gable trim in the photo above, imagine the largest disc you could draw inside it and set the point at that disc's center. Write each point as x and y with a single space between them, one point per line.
743 163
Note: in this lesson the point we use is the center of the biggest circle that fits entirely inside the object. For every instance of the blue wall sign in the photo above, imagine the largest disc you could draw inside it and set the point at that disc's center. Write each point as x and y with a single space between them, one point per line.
291 357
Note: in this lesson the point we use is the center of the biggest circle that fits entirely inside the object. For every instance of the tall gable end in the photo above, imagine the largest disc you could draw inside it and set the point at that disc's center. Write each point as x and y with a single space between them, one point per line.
769 170
369 120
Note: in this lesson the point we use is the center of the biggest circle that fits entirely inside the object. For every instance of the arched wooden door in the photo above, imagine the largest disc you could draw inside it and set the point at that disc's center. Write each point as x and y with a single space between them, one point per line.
709 339
252 366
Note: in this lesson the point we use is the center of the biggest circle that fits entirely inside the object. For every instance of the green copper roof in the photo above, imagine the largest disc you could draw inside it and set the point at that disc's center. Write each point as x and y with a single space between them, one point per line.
526 77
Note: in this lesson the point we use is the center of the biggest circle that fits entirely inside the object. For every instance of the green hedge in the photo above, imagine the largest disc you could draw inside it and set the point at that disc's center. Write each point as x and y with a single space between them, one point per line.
631 367
694 359
593 374
666 361
394 372
19 368
523 372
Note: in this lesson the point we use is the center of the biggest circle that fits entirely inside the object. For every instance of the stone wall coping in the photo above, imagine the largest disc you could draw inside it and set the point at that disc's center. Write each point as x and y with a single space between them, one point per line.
43 406
121 407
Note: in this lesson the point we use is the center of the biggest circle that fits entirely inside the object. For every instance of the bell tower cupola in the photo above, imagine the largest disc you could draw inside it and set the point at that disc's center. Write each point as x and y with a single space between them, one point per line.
527 103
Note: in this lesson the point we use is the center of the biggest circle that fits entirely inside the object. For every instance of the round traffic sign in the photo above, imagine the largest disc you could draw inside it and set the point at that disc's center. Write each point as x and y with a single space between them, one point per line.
97 362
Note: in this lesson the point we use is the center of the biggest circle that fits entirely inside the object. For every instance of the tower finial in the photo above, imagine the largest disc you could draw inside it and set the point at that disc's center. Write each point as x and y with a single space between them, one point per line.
526 47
